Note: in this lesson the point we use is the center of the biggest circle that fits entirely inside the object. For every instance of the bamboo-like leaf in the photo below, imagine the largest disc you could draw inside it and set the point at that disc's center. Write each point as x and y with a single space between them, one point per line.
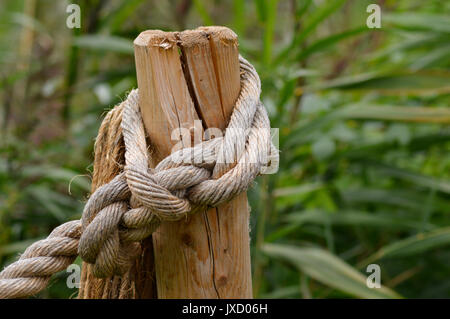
309 129
417 143
386 82
414 245
285 292
319 15
322 44
419 21
57 173
303 132
116 19
436 56
429 39
354 218
402 198
261 10
28 22
304 188
328 269
398 113
17 247
48 199
102 43
440 185
269 30
239 21
203 12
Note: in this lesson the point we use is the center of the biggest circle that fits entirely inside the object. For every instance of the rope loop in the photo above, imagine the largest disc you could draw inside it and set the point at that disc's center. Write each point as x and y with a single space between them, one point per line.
208 174
132 205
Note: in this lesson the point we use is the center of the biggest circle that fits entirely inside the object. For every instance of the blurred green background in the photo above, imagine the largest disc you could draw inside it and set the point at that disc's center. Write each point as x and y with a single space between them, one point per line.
364 137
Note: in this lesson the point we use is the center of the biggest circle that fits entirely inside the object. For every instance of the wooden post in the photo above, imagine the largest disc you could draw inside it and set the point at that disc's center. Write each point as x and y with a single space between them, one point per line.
183 77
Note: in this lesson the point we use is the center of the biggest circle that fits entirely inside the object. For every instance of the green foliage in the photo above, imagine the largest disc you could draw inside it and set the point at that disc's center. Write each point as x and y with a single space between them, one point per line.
363 117
328 269
104 43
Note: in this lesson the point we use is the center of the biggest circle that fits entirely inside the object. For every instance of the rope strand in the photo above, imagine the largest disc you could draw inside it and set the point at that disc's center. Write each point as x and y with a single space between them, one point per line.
131 206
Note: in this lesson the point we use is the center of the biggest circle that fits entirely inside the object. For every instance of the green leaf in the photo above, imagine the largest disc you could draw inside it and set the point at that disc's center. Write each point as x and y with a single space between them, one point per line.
416 178
416 144
17 247
414 245
317 17
284 292
301 10
402 198
328 41
203 12
288 196
348 82
307 129
48 200
327 269
261 10
28 22
438 55
429 39
116 19
239 20
396 84
310 25
354 218
102 43
296 191
310 129
56 173
419 21
397 113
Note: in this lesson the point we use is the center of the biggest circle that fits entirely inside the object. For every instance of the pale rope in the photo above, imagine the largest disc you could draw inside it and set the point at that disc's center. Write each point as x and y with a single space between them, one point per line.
131 206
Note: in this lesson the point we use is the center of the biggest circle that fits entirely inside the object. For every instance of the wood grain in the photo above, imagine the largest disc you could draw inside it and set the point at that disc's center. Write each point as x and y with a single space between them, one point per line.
183 77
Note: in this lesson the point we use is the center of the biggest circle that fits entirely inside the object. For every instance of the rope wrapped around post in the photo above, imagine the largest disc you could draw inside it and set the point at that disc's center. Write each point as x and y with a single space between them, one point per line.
130 207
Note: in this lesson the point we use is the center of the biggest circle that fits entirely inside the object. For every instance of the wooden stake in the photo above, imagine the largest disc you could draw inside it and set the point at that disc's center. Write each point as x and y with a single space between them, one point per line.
183 77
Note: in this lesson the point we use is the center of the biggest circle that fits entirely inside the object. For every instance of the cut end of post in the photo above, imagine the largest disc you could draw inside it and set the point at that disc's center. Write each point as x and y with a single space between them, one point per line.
186 38
156 38
223 34
208 59
183 77
197 36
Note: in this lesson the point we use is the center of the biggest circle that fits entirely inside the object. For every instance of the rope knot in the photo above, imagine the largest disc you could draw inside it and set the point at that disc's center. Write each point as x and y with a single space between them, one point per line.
131 206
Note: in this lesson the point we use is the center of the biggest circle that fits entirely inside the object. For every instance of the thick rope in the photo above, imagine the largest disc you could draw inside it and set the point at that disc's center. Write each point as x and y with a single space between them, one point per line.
32 272
131 206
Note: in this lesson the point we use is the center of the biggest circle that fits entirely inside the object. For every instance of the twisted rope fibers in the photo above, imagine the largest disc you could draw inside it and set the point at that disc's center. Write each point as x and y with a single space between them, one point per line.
131 206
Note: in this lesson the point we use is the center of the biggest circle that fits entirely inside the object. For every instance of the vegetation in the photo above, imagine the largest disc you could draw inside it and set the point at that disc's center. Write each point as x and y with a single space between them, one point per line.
363 117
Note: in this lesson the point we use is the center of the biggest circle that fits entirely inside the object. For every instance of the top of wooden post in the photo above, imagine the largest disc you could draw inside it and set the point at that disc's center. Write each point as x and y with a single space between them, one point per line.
182 77
199 78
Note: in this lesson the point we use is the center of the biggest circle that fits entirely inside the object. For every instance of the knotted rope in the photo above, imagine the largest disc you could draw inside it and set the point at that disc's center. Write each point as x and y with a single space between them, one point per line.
131 206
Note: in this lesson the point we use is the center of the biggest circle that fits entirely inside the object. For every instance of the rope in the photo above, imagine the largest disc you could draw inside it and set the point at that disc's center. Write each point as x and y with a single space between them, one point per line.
131 206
